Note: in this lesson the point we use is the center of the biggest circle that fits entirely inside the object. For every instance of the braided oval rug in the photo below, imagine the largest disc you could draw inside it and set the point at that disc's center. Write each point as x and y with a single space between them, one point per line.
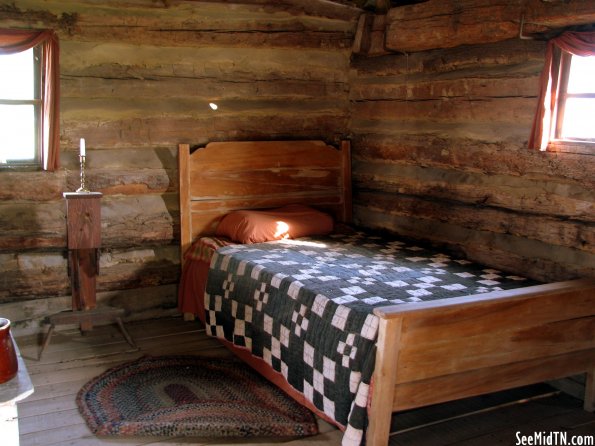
189 396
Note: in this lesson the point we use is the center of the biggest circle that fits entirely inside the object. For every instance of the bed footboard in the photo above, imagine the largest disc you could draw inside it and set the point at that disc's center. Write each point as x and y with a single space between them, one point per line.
432 352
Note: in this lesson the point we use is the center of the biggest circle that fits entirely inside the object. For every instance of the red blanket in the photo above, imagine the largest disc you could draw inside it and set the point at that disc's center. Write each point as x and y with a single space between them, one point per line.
194 274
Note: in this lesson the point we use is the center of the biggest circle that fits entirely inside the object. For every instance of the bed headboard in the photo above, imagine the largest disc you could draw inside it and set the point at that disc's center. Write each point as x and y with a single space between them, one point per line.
224 176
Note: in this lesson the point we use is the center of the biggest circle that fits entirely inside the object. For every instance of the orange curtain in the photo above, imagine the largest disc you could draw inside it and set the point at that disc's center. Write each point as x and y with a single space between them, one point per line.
15 41
576 43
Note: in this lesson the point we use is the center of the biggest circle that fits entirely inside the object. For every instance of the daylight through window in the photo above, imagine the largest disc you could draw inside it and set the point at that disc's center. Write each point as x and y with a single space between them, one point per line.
20 107
576 107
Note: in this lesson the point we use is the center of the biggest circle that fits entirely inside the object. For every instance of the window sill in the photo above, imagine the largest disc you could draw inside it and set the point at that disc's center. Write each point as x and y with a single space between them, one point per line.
581 147
19 167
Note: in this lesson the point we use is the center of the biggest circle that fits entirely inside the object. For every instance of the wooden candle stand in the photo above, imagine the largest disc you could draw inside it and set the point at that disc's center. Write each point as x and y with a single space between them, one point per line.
83 217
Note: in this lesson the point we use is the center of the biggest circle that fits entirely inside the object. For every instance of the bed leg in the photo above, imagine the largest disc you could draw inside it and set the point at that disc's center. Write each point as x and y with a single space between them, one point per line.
590 391
383 385
188 317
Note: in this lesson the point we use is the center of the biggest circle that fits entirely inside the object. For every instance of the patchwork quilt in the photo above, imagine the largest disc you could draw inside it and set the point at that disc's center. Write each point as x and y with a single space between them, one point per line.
305 307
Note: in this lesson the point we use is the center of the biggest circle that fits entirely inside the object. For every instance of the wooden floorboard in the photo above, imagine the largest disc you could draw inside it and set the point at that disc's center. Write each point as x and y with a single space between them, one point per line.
499 426
50 416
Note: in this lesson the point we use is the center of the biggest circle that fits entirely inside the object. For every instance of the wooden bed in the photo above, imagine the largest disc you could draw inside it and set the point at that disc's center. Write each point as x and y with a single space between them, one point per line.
427 352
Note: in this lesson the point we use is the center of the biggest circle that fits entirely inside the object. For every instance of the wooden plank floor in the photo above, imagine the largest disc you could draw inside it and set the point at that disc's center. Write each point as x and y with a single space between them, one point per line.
50 417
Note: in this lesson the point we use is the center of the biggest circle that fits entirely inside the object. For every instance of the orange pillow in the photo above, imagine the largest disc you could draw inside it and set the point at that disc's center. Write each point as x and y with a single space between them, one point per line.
292 221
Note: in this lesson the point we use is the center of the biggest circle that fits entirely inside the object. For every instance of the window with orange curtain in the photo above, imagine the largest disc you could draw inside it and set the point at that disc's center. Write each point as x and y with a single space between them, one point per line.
566 103
29 99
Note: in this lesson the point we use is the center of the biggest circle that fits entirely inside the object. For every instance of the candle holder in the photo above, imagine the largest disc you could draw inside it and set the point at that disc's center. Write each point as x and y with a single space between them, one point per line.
82 188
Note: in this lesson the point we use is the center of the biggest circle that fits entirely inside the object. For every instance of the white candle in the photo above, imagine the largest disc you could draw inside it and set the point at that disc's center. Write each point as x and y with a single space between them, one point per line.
82 146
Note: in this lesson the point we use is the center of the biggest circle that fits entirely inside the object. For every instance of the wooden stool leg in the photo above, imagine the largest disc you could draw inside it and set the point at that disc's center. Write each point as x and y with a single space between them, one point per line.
46 341
125 332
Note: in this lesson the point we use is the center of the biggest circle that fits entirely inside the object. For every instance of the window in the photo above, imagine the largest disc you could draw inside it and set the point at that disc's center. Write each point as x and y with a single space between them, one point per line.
566 102
20 107
576 99
29 98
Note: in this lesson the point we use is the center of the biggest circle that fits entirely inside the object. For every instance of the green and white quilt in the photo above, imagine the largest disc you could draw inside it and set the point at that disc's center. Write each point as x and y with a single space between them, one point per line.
305 307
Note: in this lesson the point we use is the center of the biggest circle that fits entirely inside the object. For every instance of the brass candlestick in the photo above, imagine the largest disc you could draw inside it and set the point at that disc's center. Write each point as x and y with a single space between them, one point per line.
82 188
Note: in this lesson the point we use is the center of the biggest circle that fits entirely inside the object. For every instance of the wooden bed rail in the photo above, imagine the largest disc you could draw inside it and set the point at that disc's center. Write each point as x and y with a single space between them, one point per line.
509 339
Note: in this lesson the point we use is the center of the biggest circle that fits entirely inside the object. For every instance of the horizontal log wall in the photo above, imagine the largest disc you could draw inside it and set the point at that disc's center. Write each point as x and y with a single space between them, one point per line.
440 153
136 80
439 136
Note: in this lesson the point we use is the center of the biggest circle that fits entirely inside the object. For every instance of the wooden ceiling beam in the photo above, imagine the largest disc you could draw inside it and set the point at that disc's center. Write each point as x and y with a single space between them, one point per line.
321 8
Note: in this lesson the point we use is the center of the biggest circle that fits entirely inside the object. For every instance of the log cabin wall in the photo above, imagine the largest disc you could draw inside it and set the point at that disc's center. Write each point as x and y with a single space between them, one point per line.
136 80
439 125
443 99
